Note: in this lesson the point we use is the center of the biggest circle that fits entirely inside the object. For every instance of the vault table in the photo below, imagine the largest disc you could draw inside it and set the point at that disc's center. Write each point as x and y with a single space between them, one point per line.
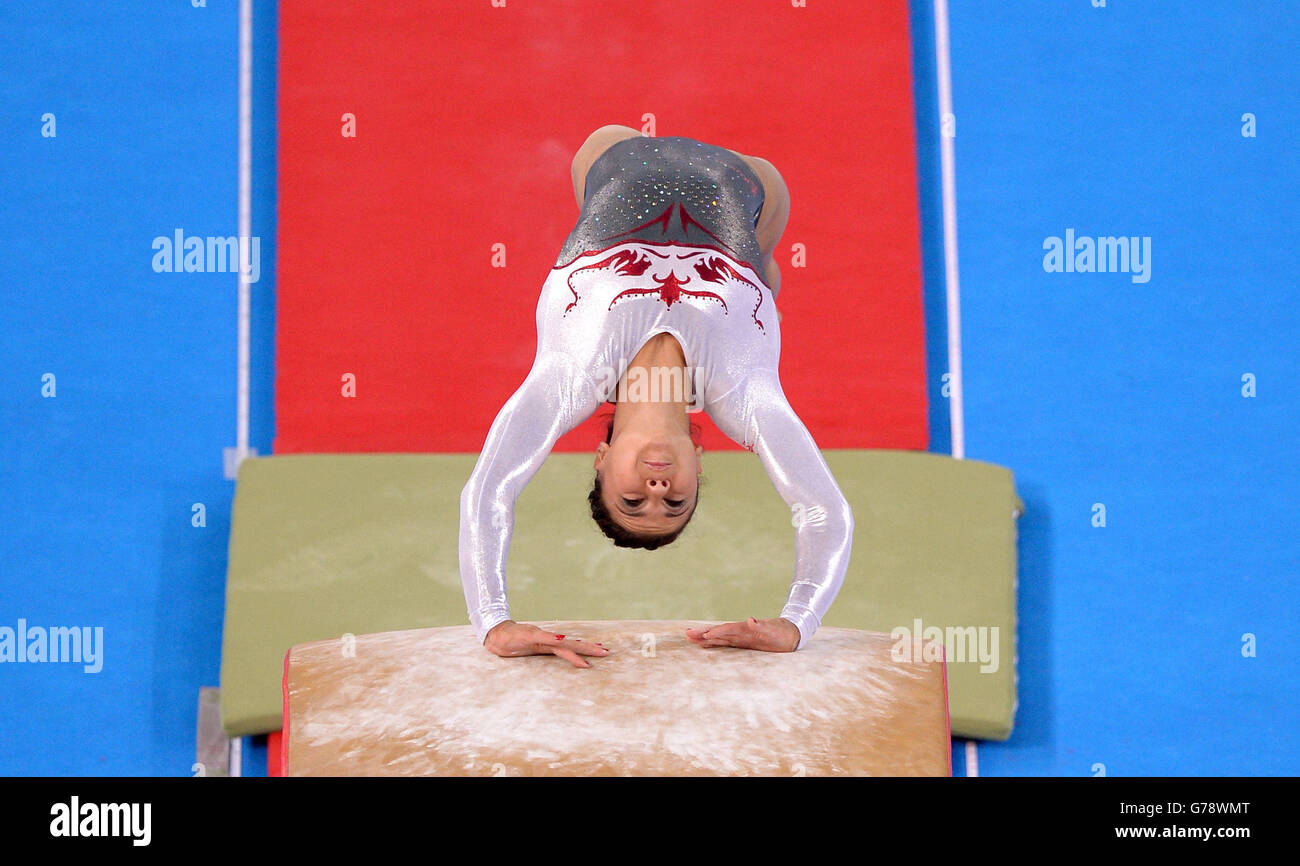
434 702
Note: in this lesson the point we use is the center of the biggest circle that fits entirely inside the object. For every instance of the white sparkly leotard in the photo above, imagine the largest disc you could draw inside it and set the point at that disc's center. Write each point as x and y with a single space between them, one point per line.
598 308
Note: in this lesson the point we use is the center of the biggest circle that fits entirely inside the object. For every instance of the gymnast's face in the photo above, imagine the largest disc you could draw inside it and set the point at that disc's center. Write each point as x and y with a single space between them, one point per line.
649 481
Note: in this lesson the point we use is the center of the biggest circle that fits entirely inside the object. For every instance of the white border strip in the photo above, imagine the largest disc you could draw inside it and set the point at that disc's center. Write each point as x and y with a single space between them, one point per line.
972 759
944 65
245 214
245 238
956 412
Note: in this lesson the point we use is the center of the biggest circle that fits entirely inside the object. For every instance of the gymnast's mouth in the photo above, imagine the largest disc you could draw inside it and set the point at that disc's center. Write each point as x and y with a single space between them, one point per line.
656 466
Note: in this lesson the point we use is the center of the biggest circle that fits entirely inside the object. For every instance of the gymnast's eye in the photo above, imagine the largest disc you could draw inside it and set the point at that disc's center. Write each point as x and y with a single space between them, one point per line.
674 503
631 503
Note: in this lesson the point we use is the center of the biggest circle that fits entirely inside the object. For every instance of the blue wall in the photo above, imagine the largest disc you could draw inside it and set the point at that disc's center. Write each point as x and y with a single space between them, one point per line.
99 481
1094 389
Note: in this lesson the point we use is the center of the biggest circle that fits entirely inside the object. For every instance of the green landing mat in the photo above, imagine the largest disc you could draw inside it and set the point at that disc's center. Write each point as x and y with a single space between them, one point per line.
326 545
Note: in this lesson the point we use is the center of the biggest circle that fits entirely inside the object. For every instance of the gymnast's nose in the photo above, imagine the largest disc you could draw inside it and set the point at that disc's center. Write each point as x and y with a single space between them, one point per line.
658 485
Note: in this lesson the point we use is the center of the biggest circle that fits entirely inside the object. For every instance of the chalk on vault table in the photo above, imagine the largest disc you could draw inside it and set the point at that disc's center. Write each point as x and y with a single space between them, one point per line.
434 702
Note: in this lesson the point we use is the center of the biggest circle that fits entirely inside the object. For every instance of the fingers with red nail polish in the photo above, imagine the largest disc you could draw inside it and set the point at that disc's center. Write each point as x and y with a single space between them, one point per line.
512 639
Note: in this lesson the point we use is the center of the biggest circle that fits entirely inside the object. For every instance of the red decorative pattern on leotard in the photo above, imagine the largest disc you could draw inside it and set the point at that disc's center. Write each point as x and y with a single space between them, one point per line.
625 263
717 268
670 291
667 287
664 222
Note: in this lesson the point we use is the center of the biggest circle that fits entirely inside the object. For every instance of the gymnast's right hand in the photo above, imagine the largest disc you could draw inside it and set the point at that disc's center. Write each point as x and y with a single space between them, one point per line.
510 639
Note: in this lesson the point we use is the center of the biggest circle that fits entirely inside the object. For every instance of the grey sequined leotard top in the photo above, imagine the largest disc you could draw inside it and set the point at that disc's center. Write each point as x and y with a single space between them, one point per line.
665 248
669 189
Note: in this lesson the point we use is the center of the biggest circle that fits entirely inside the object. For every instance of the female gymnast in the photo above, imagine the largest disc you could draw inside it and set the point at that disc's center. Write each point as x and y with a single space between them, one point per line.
670 266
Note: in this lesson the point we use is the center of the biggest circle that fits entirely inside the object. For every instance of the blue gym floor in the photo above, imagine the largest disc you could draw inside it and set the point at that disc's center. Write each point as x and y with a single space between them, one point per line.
1095 390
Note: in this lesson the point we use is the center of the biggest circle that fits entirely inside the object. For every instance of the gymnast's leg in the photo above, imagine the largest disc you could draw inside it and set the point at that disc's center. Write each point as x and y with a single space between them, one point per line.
773 219
596 144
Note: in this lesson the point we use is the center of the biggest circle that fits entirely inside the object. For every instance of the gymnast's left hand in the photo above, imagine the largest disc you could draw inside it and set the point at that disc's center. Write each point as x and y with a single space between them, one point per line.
768 635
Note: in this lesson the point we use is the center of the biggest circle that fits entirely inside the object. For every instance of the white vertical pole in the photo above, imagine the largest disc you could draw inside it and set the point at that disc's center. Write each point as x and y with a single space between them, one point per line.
236 758
233 456
948 119
245 212
947 134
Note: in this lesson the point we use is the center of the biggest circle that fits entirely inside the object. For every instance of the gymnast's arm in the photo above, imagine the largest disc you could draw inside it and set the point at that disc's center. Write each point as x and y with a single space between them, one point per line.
555 398
820 513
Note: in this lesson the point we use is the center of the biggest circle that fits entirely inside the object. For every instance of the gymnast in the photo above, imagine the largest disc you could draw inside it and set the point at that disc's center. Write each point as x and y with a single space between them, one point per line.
670 265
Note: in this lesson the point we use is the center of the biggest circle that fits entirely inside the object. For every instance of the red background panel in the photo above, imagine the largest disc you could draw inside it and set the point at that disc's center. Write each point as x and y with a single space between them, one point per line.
467 120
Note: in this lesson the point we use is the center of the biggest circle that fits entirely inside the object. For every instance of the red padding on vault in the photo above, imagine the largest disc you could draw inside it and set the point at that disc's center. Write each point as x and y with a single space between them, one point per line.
467 118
